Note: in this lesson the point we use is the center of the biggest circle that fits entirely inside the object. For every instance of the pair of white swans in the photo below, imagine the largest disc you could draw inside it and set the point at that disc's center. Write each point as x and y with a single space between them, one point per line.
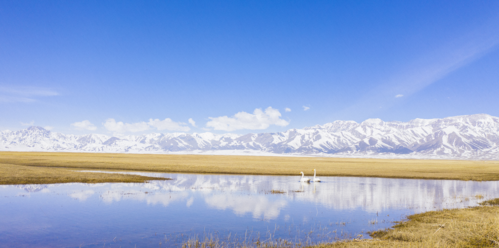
306 179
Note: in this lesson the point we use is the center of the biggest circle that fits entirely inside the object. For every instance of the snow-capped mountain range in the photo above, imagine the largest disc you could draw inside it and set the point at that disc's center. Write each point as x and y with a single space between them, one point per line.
460 137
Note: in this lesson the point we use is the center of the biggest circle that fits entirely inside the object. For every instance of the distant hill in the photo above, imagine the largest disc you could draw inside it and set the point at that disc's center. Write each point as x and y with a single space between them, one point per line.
460 137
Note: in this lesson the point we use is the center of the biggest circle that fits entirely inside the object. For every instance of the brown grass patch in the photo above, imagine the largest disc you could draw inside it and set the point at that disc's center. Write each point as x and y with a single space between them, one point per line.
277 191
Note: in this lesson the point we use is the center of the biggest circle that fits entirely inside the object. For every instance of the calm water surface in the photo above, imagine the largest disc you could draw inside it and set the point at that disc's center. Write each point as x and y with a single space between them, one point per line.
235 208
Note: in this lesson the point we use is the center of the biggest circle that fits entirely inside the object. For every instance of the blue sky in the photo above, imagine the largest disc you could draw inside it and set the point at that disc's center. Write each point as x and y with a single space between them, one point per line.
151 66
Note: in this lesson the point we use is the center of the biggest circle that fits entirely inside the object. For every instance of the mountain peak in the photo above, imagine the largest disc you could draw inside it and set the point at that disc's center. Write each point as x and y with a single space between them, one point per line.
36 128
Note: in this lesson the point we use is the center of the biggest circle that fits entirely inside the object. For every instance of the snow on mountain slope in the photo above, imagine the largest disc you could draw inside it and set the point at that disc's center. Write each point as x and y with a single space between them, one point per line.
464 137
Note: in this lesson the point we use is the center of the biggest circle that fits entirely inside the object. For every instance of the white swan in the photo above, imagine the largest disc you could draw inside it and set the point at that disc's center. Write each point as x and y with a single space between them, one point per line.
316 179
303 178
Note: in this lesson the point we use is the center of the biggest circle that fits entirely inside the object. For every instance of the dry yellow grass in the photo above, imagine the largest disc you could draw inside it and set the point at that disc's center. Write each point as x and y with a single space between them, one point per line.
20 174
469 227
254 165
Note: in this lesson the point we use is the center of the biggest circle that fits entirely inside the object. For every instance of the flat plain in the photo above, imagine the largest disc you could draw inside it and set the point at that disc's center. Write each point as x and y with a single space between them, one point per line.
49 167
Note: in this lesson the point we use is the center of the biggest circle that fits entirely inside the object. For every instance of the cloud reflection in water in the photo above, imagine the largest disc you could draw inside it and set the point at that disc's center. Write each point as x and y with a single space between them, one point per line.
82 195
260 206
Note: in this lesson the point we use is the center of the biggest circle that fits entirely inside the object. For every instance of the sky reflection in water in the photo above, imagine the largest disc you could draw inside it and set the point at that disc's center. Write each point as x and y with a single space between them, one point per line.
170 212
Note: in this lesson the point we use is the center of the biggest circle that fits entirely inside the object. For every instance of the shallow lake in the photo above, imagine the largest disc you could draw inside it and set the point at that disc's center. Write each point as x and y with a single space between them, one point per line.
237 209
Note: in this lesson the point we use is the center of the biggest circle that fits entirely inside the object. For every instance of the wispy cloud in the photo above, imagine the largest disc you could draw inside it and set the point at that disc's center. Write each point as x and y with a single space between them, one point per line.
242 120
429 69
305 108
4 98
287 109
166 124
24 94
84 125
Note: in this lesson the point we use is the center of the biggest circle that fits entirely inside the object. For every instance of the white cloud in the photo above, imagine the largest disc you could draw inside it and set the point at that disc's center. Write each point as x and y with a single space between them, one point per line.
287 109
305 108
48 128
24 94
84 125
121 127
243 120
168 124
399 95
31 123
193 123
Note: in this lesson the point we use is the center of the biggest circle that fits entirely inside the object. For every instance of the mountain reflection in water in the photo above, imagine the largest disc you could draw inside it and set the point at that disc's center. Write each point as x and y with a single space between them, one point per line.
193 204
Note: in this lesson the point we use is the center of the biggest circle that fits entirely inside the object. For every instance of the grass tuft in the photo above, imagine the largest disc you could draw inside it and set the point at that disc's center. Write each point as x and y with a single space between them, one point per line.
494 202
277 191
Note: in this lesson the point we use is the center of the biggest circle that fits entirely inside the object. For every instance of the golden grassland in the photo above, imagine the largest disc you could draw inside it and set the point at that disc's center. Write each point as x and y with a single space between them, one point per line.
468 227
252 165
